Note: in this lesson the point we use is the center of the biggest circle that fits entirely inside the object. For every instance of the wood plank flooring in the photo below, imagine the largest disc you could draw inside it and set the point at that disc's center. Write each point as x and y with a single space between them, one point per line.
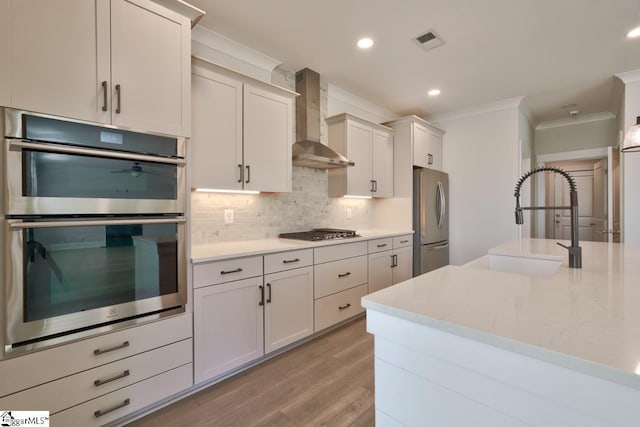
325 382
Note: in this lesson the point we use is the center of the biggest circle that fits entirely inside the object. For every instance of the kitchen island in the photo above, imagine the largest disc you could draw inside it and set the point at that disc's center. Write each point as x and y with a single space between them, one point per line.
472 346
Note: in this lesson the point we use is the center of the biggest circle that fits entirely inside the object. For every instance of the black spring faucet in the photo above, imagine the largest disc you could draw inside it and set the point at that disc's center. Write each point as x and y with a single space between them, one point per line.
575 251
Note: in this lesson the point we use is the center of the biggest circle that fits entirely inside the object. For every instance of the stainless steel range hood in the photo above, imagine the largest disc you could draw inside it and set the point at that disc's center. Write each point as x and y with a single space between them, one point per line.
308 151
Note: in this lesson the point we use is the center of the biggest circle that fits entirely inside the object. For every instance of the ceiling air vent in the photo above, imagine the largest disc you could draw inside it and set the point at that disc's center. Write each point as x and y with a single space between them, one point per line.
429 40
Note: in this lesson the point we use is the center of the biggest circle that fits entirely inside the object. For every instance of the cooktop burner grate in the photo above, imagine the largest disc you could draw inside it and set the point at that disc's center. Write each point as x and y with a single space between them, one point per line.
318 234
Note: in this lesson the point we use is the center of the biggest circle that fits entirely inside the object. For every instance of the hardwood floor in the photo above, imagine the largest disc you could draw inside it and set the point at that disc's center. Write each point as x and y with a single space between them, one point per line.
325 382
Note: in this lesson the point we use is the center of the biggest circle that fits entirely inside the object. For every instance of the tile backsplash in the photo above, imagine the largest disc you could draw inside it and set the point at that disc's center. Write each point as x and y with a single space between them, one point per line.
267 215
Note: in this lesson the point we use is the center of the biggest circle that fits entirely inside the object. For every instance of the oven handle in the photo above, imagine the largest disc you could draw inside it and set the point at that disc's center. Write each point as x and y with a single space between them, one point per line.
50 224
19 144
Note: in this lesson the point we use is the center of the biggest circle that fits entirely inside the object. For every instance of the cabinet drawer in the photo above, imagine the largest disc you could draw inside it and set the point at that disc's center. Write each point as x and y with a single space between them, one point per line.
282 261
36 368
402 241
119 403
338 307
379 245
212 273
339 275
336 252
69 391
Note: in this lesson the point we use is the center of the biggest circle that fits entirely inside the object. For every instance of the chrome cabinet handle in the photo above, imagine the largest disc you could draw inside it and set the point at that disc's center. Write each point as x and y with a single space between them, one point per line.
429 159
348 273
343 307
261 288
118 96
101 412
104 95
108 380
288 261
372 190
248 174
237 270
394 261
240 175
382 245
269 295
20 144
100 351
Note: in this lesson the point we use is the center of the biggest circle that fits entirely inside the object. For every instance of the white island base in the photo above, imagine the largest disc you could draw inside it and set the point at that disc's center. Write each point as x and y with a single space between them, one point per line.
464 346
427 377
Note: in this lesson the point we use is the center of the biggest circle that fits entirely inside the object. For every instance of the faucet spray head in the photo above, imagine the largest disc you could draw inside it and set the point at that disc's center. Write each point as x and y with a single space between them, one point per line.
519 216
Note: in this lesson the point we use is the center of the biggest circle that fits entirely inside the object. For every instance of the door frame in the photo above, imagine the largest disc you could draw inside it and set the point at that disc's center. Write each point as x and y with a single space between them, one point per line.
542 159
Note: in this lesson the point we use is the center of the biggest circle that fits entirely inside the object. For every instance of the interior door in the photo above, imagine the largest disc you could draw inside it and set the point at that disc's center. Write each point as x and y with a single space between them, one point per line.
562 218
600 229
614 194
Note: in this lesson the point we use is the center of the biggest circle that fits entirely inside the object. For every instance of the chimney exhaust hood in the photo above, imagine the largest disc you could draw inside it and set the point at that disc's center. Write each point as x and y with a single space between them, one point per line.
308 151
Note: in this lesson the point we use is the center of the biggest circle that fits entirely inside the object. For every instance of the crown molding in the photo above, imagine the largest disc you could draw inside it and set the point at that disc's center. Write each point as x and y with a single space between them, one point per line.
231 54
587 118
362 107
629 76
475 111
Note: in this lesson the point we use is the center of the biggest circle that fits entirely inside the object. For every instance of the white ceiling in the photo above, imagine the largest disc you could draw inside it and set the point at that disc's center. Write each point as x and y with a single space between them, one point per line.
552 52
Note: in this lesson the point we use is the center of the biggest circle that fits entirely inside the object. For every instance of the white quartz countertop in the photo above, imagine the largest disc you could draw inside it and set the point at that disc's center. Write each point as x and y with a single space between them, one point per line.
584 319
225 250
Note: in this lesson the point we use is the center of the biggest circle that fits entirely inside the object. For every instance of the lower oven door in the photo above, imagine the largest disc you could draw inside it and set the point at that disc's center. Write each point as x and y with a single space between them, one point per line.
71 278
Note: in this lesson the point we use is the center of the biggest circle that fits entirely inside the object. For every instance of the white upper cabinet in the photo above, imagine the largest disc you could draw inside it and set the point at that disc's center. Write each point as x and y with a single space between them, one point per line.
418 139
268 136
242 132
216 131
370 146
5 52
122 62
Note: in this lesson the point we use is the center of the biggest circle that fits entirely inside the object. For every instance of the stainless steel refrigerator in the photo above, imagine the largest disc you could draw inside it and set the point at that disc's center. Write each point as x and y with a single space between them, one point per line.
430 220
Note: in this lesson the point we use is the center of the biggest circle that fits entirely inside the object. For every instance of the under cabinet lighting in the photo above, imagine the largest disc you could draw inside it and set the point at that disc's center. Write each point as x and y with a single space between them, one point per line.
347 196
215 190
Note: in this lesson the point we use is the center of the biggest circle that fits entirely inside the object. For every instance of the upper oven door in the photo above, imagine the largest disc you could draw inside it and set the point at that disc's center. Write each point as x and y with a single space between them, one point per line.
57 167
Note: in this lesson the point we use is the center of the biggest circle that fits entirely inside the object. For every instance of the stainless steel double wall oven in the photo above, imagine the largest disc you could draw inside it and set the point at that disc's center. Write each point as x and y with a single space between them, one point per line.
94 229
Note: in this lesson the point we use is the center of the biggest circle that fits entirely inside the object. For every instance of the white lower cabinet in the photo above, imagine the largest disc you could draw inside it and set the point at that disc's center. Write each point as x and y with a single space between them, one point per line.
239 321
228 326
393 264
288 308
117 404
77 382
338 307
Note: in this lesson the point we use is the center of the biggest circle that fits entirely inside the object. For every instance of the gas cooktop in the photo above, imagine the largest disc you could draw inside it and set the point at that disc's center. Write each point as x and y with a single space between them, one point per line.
321 234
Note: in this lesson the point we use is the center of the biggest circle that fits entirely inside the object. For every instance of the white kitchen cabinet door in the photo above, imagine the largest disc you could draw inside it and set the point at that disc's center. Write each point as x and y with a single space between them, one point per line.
5 52
380 274
216 141
288 309
268 136
382 163
427 148
403 269
228 327
53 58
150 67
359 151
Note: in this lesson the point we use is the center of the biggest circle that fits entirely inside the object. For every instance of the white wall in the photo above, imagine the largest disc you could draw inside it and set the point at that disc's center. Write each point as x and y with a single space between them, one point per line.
631 169
481 155
576 136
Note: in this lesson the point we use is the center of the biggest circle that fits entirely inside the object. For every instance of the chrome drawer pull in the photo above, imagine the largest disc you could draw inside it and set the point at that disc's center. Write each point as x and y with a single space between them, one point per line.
101 412
287 261
343 307
348 273
108 380
382 245
107 350
237 270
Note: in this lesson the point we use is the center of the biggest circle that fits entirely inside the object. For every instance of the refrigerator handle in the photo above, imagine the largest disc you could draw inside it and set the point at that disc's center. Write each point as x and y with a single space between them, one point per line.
440 204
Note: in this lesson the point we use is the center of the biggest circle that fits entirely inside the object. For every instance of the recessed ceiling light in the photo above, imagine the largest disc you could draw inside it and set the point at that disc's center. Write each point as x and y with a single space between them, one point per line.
365 43
434 92
634 33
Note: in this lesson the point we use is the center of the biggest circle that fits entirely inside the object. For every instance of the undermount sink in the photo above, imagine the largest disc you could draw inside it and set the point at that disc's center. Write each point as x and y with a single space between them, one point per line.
531 266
